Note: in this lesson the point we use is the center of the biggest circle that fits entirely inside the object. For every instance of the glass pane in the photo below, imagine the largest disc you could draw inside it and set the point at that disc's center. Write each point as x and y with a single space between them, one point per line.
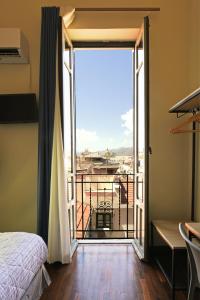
141 140
69 216
70 188
66 57
140 55
70 58
100 217
67 121
139 187
73 223
100 224
107 218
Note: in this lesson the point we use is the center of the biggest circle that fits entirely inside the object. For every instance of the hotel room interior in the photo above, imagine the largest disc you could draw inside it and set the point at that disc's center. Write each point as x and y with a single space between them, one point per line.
44 252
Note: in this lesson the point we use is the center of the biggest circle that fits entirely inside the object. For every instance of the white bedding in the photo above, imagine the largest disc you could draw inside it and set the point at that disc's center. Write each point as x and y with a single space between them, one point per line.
21 256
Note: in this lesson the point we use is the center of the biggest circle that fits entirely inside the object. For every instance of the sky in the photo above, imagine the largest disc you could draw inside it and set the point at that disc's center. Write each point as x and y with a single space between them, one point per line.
104 99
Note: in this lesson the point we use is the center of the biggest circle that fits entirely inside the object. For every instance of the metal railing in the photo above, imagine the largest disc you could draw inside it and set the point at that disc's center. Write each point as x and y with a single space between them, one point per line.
105 207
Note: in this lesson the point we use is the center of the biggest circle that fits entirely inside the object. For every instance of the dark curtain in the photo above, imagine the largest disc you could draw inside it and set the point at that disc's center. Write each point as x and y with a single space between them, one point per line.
60 71
49 35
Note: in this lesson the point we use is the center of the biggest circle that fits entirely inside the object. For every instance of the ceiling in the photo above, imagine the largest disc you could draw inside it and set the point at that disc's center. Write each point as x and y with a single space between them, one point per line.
114 34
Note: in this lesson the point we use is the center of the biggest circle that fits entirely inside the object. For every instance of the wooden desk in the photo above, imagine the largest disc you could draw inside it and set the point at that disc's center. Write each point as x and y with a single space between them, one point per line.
170 235
194 229
169 231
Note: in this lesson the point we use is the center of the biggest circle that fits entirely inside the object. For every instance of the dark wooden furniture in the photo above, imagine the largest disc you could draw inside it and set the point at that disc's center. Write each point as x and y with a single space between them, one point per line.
169 252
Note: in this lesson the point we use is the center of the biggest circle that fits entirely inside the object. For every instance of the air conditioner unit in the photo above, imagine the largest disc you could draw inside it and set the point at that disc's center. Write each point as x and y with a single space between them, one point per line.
13 46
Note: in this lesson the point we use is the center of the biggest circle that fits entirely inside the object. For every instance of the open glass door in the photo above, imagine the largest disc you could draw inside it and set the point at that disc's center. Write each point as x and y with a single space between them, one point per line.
69 132
141 152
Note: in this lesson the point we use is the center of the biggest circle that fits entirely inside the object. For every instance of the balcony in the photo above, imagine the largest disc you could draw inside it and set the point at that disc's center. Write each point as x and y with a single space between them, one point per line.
104 206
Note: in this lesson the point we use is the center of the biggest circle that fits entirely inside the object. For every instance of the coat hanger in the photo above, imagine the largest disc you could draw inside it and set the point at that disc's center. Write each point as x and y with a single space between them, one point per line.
180 128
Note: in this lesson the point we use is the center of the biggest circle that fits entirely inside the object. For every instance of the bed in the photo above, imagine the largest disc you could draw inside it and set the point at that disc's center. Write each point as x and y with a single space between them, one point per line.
22 271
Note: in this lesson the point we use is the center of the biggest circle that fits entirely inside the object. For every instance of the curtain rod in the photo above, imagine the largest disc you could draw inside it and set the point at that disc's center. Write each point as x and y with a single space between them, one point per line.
116 9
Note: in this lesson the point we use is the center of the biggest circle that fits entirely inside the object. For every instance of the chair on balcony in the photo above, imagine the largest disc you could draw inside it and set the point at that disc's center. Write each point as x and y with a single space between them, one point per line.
194 261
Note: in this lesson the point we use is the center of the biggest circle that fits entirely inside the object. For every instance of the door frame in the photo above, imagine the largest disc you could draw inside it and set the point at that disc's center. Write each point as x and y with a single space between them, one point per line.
112 45
130 45
69 67
145 35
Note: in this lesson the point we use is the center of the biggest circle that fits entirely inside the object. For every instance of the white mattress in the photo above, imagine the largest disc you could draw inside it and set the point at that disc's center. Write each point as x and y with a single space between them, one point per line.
21 256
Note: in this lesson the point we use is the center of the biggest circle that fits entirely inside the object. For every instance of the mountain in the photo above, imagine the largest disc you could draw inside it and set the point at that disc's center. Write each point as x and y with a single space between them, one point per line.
123 151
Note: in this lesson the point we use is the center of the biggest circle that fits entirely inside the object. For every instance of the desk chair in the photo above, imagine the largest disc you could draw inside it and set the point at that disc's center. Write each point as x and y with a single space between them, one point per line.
194 261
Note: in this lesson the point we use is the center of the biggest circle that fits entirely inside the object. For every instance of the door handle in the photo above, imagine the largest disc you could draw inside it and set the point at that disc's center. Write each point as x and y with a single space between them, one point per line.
150 150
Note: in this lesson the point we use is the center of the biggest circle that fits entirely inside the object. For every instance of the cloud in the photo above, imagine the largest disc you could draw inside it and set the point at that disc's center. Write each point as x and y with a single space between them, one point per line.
127 142
89 139
127 122
86 139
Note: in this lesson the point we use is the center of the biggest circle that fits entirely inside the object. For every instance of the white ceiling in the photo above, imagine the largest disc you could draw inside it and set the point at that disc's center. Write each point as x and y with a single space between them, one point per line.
114 34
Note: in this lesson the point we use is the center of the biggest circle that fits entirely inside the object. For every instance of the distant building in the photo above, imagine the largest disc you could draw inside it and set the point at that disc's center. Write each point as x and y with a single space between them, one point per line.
105 195
95 163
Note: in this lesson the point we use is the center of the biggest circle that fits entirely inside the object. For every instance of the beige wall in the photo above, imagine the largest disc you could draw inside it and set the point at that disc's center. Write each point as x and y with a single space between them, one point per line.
169 168
169 80
18 143
194 80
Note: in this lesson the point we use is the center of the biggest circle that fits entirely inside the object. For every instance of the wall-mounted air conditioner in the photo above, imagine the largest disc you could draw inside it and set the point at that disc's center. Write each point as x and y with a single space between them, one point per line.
13 46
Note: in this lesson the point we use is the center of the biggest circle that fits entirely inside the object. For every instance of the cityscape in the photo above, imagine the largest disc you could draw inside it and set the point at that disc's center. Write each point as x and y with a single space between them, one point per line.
105 191
104 143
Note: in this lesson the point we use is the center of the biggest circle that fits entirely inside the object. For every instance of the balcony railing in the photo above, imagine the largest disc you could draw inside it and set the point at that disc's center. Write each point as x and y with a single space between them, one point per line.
105 206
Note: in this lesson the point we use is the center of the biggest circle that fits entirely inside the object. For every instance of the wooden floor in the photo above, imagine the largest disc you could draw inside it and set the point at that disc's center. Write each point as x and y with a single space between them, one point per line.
107 272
